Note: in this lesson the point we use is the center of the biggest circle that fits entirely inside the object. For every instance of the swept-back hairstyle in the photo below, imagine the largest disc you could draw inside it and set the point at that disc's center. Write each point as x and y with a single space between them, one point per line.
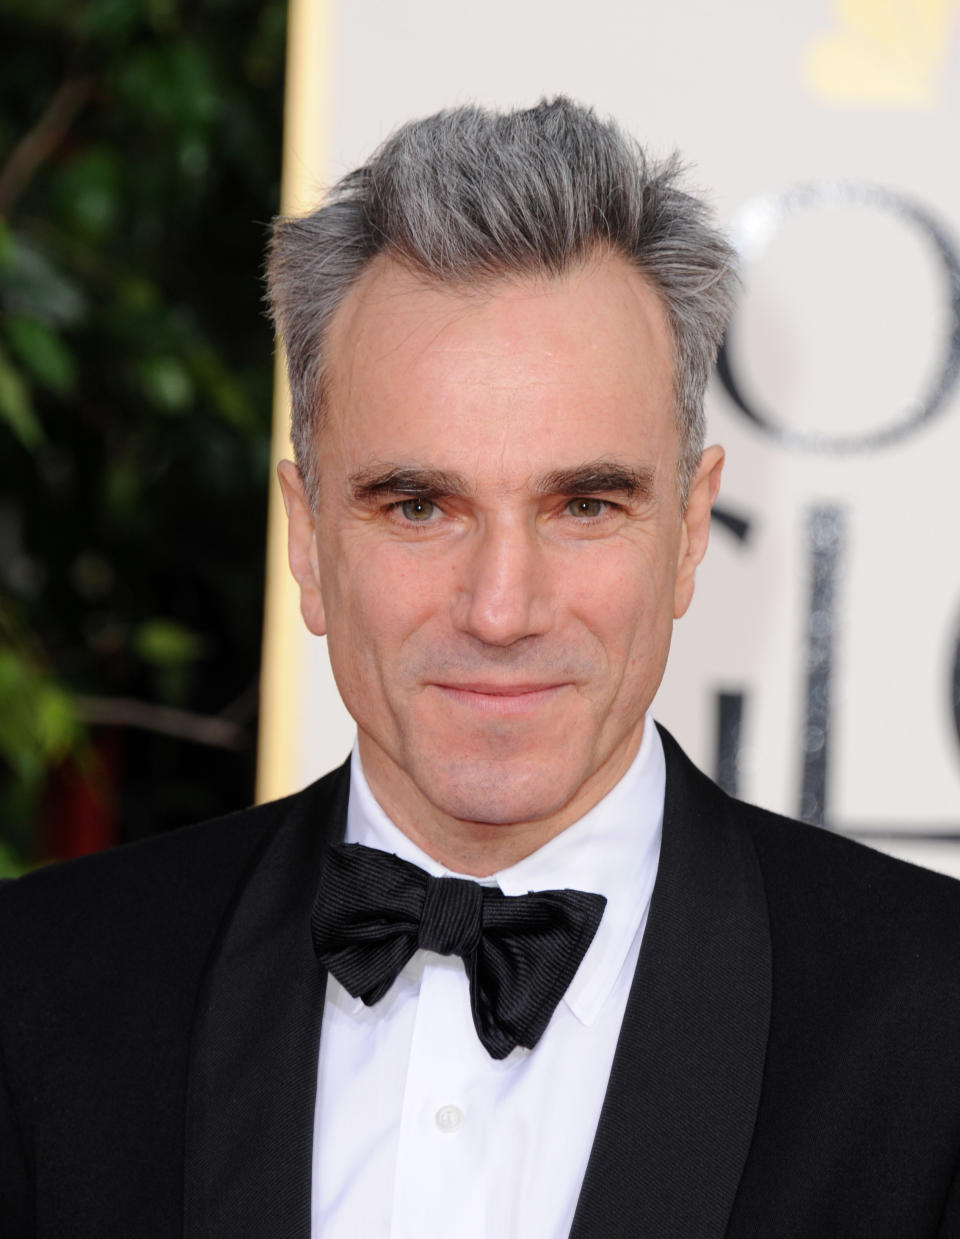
470 196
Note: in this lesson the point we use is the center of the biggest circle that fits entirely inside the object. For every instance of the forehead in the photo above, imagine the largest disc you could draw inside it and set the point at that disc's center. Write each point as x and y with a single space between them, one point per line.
529 370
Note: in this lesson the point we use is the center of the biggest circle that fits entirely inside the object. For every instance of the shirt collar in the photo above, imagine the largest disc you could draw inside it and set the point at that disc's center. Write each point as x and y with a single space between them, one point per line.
613 850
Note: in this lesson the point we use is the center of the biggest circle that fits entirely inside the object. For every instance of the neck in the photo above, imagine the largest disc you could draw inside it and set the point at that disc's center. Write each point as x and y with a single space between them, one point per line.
482 848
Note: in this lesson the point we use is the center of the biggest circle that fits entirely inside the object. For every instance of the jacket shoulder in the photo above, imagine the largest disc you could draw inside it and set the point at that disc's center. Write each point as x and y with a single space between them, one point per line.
818 870
172 887
102 968
839 900
856 929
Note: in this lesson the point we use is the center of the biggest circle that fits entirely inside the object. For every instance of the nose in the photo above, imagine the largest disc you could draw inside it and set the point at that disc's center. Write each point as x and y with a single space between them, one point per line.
504 591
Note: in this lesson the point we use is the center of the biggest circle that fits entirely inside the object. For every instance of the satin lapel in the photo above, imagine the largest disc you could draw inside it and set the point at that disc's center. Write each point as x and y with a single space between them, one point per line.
682 1099
253 1068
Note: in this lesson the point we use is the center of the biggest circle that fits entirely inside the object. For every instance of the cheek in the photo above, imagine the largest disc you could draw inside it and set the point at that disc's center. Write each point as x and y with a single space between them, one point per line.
618 593
380 596
628 609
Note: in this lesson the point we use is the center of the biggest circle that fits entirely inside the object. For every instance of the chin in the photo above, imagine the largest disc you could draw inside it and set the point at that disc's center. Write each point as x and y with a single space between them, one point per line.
497 793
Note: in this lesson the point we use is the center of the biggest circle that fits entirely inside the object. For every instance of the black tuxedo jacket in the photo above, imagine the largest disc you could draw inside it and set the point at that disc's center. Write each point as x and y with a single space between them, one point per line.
788 1068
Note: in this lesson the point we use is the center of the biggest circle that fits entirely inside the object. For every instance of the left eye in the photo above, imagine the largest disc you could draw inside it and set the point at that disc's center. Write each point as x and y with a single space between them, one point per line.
589 508
417 510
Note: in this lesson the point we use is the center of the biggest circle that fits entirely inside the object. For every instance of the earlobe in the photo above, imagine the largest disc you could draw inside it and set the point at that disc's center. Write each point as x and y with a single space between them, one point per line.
302 547
695 531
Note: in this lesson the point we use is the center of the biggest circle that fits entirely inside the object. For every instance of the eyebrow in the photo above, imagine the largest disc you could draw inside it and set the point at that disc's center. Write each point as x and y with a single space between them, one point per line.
599 477
368 484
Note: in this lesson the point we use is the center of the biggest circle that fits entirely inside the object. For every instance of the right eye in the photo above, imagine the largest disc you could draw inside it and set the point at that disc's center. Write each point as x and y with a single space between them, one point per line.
417 511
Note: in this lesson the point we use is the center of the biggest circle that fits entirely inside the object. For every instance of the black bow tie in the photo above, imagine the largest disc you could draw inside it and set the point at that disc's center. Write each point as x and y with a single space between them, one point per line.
373 911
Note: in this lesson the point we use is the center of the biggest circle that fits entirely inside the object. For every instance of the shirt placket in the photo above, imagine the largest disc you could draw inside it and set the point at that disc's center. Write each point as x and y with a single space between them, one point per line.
440 1171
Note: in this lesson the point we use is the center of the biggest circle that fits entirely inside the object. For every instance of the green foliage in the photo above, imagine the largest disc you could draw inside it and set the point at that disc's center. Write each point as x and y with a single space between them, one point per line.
165 643
16 407
43 355
39 729
139 158
38 724
171 649
10 865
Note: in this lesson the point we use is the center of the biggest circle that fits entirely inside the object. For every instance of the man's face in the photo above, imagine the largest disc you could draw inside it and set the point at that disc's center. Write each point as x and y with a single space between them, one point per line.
498 550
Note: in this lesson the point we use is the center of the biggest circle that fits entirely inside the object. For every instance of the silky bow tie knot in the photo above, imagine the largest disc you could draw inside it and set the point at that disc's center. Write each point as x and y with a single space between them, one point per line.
452 918
373 911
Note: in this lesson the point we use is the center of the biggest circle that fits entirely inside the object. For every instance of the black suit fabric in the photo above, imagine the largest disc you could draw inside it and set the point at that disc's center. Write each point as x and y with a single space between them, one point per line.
788 1068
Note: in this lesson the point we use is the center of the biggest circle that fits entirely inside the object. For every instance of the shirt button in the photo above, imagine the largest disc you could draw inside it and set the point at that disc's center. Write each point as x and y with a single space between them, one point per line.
449 1118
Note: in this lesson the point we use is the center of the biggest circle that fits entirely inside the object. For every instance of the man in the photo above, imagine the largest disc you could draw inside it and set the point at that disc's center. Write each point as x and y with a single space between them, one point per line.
704 1020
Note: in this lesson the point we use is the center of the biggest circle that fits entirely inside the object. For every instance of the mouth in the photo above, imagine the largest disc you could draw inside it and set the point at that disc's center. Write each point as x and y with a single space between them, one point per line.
500 699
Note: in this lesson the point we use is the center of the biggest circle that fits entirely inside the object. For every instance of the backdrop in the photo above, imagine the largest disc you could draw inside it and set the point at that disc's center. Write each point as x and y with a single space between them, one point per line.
818 672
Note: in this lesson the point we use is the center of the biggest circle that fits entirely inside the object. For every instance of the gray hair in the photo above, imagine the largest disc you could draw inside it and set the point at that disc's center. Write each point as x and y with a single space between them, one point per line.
471 195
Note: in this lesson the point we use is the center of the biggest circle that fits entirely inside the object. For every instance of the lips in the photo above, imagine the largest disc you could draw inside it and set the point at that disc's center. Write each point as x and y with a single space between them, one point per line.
499 690
501 700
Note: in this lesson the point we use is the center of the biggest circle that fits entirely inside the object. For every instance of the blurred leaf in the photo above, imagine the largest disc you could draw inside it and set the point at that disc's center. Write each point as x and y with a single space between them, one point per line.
166 643
137 293
167 384
43 353
194 158
15 740
10 865
229 397
88 189
121 492
57 726
16 408
38 724
33 287
6 244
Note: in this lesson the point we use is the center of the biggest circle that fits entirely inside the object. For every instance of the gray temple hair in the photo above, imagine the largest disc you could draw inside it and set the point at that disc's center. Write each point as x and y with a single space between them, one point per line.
471 196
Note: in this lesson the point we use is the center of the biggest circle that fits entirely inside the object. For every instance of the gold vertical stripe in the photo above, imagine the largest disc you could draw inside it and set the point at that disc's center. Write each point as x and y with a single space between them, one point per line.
304 165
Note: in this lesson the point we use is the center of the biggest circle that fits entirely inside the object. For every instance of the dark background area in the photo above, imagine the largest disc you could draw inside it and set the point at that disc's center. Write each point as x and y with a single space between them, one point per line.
140 147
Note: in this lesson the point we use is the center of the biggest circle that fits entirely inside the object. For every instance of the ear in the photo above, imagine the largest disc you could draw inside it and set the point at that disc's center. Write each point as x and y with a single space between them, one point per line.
695 526
302 547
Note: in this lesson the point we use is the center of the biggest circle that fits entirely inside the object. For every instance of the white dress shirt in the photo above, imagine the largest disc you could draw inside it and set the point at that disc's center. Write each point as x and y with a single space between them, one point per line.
418 1132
